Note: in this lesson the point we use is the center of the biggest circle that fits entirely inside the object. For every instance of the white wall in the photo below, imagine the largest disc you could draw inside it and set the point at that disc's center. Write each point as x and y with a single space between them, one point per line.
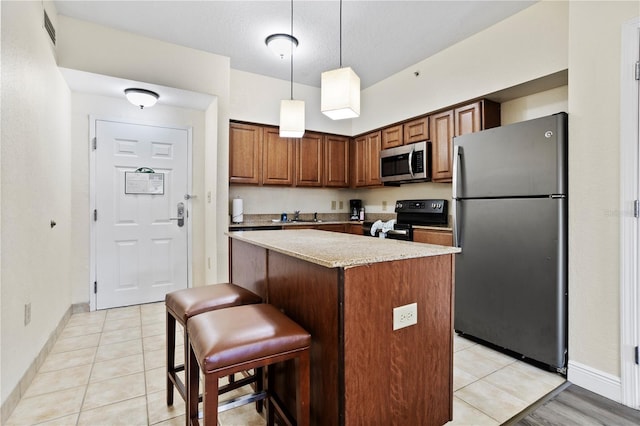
84 105
36 182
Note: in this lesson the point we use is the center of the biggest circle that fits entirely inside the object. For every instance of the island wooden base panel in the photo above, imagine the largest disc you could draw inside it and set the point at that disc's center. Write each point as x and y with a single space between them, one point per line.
362 371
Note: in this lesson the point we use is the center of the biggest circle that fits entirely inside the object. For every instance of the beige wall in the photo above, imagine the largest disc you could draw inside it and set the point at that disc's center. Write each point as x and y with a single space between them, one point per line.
97 49
594 152
36 183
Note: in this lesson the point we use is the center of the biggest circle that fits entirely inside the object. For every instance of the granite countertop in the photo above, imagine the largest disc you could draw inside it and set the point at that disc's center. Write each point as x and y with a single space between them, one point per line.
338 250
265 223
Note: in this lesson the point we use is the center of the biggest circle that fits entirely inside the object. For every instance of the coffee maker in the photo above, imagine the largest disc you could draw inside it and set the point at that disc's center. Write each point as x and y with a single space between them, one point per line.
354 208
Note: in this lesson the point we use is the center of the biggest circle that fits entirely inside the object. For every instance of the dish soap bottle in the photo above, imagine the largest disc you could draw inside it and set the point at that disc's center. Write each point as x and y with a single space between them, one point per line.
362 213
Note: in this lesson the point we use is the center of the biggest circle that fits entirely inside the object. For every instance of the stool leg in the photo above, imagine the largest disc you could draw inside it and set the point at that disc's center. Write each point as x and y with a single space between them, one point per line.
303 391
271 410
210 400
171 355
192 372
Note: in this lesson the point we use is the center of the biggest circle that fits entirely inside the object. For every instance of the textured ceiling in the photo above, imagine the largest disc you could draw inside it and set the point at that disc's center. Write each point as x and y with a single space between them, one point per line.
379 38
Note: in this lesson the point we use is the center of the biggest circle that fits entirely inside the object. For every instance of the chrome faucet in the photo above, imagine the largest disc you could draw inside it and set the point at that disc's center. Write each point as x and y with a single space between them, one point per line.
296 215
315 217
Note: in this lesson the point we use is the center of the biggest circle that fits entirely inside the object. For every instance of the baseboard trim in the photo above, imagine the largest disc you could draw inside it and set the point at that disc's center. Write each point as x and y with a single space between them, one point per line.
596 381
14 397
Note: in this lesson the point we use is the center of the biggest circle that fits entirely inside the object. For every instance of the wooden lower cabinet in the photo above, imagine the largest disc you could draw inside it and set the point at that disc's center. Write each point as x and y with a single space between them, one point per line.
442 238
362 371
334 227
354 228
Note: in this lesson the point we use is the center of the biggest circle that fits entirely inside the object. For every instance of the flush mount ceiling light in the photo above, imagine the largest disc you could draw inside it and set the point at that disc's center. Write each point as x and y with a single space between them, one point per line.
291 111
282 44
141 97
340 89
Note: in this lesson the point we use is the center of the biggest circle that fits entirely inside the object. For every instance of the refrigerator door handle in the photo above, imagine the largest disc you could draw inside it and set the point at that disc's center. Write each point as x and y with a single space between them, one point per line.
457 152
454 194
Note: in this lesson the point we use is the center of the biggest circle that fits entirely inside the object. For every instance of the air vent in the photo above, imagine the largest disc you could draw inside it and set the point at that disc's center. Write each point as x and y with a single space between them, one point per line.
49 27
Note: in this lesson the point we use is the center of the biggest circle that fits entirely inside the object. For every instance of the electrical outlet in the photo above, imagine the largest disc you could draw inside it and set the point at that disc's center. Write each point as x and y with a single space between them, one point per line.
333 205
340 205
384 206
27 313
404 316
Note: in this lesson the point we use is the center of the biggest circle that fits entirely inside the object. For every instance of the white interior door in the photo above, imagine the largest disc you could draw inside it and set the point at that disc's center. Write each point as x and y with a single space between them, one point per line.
141 252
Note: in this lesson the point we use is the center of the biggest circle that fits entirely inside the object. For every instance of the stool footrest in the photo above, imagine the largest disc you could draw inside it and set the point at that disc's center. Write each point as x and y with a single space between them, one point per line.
237 384
232 403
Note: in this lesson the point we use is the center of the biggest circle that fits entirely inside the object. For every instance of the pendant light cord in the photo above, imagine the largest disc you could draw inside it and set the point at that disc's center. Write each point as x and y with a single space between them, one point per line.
340 34
292 50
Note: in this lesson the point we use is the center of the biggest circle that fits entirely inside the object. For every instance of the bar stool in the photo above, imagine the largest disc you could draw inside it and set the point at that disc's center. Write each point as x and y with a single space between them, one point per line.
226 341
183 304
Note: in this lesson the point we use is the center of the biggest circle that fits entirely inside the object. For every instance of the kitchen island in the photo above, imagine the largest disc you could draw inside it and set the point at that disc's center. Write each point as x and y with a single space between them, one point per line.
343 289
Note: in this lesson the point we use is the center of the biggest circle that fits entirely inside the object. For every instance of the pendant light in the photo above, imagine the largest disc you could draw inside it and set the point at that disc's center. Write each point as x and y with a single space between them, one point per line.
291 111
340 89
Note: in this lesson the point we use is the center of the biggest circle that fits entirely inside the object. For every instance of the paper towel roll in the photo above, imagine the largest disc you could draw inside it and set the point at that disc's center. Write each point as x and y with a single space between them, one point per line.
237 211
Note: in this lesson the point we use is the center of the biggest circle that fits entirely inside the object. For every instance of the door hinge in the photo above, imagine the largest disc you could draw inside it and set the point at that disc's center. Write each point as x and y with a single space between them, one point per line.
95 287
95 215
94 143
636 208
636 355
638 70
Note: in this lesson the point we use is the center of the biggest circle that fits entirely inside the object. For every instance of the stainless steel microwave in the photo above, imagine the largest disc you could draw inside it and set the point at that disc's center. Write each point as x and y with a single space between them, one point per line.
406 163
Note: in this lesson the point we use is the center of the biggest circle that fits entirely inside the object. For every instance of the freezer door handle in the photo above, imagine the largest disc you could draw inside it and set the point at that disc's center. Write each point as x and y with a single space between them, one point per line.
457 152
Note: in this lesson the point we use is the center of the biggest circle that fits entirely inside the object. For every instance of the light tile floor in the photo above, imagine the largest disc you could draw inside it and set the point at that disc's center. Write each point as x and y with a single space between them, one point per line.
108 368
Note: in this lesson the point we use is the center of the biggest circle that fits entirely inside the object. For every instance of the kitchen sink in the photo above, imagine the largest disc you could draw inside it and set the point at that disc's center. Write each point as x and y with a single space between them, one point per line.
305 220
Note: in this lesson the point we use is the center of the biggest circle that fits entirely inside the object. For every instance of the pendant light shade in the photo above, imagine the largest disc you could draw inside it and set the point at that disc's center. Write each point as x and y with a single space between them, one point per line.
291 118
141 97
340 89
340 93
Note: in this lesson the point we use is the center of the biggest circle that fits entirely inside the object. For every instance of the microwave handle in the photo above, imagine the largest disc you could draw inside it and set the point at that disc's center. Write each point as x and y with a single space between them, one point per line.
411 161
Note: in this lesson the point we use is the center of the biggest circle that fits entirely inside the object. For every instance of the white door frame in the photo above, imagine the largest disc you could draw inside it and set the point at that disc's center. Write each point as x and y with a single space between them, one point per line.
629 230
92 197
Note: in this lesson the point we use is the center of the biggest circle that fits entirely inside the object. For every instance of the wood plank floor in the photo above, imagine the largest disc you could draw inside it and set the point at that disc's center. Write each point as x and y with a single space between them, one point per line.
572 405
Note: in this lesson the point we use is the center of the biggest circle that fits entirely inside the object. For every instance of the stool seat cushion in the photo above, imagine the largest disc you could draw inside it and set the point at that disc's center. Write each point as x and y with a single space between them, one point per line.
228 337
189 302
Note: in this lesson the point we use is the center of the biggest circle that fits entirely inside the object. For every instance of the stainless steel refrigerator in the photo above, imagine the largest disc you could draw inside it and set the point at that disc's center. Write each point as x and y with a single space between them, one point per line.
510 219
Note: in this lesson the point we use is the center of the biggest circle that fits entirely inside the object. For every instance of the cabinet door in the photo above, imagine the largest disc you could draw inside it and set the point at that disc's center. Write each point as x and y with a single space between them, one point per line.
442 130
355 229
245 153
336 161
443 238
358 169
309 160
416 130
392 136
468 119
277 158
373 160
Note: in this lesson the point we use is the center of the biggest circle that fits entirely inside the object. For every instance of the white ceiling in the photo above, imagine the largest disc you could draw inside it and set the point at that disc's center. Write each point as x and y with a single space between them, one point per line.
379 38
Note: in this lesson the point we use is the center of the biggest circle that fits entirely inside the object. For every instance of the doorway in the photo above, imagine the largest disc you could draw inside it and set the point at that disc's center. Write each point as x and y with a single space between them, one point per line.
630 212
140 215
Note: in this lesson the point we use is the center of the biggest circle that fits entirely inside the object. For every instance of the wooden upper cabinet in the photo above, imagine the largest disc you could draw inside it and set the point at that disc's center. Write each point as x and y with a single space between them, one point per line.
416 130
468 119
336 161
442 131
309 159
463 120
277 158
365 165
392 136
245 153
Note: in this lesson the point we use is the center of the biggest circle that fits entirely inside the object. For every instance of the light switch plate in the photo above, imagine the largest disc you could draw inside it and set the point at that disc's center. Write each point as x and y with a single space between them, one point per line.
404 316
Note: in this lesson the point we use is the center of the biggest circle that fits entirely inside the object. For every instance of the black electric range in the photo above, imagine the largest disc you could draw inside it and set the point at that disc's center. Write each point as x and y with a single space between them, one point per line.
409 213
